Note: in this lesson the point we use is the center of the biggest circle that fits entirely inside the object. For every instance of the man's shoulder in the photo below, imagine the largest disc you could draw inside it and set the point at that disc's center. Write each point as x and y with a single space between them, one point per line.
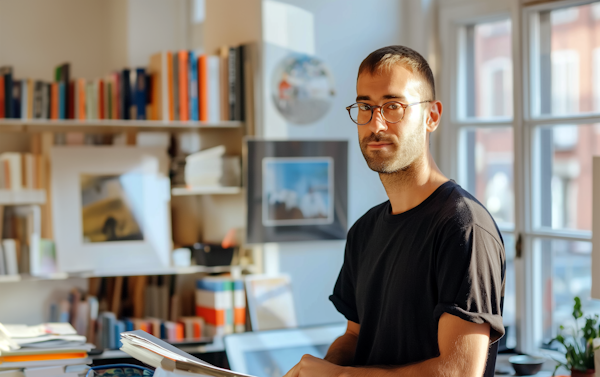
462 210
370 217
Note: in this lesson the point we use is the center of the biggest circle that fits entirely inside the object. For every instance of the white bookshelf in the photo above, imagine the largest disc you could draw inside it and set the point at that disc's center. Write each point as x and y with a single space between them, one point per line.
185 191
108 125
22 197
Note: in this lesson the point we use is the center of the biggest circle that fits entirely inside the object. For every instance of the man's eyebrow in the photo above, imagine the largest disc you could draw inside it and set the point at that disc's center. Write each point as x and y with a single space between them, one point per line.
387 96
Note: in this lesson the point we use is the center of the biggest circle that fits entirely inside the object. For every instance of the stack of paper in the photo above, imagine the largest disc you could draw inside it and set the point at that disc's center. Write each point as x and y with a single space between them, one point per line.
153 351
46 345
204 168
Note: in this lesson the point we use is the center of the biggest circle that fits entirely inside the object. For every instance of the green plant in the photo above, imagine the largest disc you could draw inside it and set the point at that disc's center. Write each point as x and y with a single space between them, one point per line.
579 350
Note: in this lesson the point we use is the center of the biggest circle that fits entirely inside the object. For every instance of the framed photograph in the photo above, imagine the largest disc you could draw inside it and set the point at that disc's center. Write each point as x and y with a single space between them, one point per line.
297 190
110 208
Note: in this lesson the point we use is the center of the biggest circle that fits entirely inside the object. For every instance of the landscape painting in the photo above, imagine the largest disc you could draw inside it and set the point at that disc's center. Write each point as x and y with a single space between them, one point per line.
111 207
297 191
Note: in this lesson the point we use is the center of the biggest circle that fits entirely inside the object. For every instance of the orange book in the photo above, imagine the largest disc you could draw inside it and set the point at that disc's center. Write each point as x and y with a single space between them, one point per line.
239 316
81 92
184 86
54 100
197 330
179 335
211 316
203 88
170 81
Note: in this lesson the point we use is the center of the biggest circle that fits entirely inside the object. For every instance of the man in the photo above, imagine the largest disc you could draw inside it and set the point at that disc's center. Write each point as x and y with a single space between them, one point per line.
422 283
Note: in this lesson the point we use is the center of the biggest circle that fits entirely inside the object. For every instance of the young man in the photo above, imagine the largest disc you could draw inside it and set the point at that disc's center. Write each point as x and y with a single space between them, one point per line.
422 283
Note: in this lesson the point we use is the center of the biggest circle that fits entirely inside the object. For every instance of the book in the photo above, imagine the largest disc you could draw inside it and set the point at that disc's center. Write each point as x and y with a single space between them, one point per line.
9 247
125 95
140 94
2 262
7 73
62 98
214 303
183 85
193 87
2 101
37 105
101 100
239 306
64 78
175 82
14 168
45 110
16 98
71 100
239 82
54 100
209 79
158 69
157 353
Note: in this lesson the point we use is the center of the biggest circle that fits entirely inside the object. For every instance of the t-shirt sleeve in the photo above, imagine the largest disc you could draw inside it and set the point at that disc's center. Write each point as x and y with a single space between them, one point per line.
343 297
470 277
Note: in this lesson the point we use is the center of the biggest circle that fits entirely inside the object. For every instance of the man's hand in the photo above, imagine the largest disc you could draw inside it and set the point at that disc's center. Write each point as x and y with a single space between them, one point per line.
311 366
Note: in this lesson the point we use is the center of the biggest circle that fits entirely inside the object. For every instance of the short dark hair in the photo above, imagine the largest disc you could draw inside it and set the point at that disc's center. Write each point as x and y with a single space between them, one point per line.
386 57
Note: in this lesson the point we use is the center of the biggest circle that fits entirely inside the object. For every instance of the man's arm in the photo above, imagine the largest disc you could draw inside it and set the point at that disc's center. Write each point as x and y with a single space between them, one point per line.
463 353
341 352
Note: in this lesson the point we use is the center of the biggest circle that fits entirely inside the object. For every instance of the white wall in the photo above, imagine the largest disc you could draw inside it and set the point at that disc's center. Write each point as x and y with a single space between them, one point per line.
345 32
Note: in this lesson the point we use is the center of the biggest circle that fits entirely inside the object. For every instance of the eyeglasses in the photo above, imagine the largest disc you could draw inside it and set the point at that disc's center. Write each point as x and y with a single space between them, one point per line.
393 112
119 370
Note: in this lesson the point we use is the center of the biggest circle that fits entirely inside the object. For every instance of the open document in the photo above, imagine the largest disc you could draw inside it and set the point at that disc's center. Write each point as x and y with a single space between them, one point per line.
159 354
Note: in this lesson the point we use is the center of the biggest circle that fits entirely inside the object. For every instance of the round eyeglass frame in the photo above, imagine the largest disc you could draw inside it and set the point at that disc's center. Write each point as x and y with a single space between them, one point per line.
403 105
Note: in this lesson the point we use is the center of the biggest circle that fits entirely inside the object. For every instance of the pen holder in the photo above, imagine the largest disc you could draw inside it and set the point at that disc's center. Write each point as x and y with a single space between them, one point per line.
209 254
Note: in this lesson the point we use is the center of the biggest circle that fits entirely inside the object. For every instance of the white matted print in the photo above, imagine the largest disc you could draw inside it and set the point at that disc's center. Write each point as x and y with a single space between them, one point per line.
297 191
111 208
270 302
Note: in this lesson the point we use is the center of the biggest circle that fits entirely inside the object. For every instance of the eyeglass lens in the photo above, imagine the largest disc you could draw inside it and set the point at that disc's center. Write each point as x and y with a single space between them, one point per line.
362 113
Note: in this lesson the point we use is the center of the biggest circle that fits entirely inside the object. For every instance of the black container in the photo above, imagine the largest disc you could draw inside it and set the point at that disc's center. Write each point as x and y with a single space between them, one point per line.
526 365
211 254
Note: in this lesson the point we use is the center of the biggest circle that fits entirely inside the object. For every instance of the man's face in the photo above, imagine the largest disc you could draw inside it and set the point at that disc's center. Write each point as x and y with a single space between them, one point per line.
392 147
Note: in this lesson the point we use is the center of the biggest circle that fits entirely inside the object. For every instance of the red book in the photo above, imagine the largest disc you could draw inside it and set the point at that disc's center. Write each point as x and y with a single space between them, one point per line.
54 100
184 86
101 103
71 99
81 91
202 88
2 113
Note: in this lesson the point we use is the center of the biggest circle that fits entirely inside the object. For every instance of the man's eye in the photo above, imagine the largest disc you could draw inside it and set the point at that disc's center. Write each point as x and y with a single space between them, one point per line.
393 106
364 107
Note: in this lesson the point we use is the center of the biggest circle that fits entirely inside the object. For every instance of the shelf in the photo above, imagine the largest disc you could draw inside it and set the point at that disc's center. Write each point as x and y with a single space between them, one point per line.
184 191
110 125
216 346
22 197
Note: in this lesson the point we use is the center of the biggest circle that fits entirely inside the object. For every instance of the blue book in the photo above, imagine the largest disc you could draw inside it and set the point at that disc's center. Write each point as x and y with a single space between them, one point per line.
163 331
140 93
16 99
119 328
193 95
128 324
62 98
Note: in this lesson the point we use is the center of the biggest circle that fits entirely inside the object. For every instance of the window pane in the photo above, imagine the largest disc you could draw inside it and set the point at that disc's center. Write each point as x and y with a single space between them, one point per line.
488 70
510 302
566 273
564 176
487 170
569 61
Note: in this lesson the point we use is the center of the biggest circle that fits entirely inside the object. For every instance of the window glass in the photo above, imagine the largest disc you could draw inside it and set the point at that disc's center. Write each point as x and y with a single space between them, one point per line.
509 316
487 170
568 61
565 273
488 70
564 174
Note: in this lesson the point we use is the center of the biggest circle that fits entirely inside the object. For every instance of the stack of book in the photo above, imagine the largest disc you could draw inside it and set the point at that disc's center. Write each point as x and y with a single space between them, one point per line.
46 349
177 85
221 302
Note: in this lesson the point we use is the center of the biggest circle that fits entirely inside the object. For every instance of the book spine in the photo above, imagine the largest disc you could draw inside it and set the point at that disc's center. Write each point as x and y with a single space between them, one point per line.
203 88
140 94
232 79
214 98
239 306
16 99
46 95
71 100
239 83
2 101
65 79
101 103
183 85
175 80
30 93
193 87
24 100
54 101
8 90
126 94
169 87
62 96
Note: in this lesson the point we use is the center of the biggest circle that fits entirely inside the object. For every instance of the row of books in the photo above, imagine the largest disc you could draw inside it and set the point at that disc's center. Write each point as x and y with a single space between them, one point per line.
221 302
109 329
20 171
180 85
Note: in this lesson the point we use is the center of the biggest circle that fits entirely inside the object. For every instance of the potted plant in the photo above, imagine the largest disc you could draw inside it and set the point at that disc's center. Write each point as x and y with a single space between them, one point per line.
579 349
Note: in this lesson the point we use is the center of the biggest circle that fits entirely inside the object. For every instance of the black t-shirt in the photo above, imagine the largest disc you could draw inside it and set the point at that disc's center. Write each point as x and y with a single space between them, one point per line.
402 272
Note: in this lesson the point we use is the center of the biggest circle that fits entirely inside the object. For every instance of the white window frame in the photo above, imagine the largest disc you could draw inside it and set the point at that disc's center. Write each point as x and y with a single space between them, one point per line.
454 15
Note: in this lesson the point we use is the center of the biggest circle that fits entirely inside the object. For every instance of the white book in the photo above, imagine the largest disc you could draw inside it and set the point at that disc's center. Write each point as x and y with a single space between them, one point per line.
214 89
15 169
10 256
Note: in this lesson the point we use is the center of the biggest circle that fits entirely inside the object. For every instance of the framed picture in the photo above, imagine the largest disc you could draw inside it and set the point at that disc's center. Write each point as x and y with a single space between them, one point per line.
110 208
296 190
270 302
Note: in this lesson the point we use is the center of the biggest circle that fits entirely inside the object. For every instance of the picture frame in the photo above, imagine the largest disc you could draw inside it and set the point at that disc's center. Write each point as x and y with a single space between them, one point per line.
111 209
270 302
296 190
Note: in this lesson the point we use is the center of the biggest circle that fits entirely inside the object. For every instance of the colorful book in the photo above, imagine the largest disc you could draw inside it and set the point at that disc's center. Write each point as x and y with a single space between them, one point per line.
62 100
193 87
183 85
239 306
175 80
140 94
214 303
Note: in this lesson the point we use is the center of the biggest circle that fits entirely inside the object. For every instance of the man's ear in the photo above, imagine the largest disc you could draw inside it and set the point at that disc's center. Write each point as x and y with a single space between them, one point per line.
434 115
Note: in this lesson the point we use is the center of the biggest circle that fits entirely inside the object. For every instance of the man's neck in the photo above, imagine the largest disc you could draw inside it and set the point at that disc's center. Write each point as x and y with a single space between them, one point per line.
408 188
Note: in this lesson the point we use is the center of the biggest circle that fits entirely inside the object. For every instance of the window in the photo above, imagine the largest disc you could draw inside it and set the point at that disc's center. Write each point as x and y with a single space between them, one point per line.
486 140
526 130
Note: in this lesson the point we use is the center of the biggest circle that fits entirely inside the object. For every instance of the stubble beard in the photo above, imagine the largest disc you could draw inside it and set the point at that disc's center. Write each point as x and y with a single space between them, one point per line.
401 160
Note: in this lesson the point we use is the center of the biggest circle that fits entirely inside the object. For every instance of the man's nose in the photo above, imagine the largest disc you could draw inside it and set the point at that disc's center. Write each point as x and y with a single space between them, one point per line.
377 123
